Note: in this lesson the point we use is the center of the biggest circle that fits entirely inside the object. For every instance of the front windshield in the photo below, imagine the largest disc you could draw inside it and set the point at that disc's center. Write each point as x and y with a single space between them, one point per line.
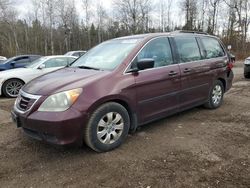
2 61
68 53
107 55
8 60
36 63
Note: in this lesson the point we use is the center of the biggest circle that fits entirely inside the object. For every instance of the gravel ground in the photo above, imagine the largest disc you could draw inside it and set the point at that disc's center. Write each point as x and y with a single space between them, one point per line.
196 148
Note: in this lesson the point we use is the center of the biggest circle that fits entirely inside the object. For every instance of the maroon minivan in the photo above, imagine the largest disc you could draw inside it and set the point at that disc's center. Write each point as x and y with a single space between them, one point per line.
121 84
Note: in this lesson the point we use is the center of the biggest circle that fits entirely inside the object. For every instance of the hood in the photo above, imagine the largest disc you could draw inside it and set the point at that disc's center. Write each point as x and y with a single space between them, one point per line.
15 72
62 80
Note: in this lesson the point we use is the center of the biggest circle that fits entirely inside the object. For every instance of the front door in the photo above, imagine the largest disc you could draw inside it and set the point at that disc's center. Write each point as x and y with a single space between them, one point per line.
157 88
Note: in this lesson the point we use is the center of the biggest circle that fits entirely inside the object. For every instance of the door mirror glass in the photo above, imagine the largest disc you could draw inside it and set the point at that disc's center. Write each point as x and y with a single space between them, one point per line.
12 64
229 47
42 66
146 63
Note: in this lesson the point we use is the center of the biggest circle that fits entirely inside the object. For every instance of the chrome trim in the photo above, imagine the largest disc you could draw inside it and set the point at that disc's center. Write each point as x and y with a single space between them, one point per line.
30 96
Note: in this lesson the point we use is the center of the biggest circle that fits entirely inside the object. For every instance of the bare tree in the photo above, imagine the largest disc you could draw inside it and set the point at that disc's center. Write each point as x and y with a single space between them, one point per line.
133 14
86 7
190 8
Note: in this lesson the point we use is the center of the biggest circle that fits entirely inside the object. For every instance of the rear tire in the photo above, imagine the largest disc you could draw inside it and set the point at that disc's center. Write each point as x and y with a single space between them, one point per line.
12 87
107 128
216 95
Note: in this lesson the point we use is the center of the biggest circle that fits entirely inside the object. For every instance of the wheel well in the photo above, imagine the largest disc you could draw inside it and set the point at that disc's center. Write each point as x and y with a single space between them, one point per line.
223 82
132 115
13 79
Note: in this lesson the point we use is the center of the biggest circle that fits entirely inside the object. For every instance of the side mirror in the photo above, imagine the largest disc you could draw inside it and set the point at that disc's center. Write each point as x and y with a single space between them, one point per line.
229 47
42 66
146 63
12 64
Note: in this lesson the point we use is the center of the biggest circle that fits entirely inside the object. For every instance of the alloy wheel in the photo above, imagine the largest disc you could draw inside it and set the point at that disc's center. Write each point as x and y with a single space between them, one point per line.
13 87
110 128
217 94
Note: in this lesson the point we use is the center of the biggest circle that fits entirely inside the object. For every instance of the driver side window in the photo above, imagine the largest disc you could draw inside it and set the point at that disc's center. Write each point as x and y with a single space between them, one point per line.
159 50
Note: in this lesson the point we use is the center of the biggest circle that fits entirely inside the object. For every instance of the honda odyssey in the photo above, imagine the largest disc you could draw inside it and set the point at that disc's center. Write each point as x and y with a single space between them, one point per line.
122 84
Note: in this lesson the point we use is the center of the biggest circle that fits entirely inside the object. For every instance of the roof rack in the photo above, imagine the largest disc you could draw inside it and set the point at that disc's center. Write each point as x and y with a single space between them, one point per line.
192 32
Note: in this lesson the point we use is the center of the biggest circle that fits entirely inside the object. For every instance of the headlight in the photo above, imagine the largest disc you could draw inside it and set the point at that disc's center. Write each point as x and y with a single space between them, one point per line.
247 62
61 101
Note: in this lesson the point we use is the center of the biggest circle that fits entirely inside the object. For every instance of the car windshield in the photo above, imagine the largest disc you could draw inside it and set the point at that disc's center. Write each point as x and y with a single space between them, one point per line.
107 55
8 60
68 53
36 63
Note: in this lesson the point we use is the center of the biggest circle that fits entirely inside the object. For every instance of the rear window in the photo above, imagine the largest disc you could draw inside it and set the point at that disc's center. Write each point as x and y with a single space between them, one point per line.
188 49
212 48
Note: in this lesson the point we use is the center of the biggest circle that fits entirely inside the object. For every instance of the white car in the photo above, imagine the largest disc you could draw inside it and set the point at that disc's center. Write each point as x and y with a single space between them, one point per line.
11 81
2 59
78 53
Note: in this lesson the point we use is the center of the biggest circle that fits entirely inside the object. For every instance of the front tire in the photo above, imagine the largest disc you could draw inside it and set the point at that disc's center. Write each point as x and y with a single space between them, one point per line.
216 95
107 128
12 87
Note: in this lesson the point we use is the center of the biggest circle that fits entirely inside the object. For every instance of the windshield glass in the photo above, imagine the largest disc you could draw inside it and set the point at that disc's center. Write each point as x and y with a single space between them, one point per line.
68 53
8 60
36 63
107 55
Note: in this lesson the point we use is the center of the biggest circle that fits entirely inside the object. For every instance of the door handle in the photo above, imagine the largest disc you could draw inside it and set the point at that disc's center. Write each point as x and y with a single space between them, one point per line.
172 73
187 70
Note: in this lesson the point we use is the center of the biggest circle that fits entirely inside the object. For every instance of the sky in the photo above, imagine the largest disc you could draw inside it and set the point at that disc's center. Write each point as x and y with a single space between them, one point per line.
24 6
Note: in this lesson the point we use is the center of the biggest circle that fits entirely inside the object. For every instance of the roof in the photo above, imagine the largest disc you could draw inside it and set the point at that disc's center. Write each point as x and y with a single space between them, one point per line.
174 33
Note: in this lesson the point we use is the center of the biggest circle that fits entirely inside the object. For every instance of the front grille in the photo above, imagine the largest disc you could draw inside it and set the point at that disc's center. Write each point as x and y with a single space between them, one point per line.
24 101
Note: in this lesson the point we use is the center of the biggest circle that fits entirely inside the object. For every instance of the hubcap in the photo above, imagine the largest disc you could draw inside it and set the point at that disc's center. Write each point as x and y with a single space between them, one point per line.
12 88
110 128
217 94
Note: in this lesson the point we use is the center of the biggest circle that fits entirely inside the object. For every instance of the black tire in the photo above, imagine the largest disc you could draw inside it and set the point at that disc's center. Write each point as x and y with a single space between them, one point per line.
6 91
211 104
91 129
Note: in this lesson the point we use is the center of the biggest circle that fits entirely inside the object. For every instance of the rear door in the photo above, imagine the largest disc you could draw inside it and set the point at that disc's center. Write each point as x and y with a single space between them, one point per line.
215 59
194 87
157 88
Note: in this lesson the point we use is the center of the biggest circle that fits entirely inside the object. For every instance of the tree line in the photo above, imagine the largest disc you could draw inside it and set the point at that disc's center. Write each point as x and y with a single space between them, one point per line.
55 26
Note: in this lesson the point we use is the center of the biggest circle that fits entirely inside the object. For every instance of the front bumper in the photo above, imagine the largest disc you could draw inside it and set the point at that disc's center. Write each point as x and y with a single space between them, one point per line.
60 128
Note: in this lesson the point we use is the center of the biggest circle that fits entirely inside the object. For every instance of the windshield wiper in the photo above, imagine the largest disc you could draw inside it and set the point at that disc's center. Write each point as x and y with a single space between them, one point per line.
86 67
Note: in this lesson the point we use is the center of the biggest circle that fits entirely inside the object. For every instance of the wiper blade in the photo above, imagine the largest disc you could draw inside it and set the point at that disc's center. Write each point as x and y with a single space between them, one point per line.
86 67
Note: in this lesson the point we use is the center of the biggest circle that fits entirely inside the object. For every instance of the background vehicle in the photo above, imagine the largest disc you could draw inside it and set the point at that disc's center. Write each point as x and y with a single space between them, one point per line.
124 83
2 58
247 68
11 81
18 61
75 53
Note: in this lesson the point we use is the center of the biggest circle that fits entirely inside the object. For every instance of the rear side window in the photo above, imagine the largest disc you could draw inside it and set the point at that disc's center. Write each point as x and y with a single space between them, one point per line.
212 48
188 49
22 60
159 50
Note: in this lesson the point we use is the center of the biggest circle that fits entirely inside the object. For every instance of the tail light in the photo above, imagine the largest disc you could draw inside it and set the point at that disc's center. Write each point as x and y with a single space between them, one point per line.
230 65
